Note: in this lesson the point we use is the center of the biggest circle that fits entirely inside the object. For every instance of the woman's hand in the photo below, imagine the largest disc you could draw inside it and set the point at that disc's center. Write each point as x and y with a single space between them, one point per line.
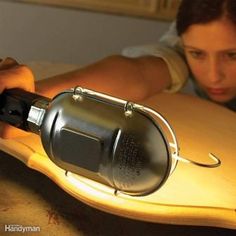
14 75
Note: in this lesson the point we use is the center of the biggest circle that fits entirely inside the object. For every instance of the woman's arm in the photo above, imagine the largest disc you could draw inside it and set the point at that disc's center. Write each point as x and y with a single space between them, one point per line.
129 78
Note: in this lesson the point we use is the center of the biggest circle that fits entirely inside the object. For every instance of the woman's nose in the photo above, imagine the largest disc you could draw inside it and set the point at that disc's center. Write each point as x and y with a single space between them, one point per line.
215 71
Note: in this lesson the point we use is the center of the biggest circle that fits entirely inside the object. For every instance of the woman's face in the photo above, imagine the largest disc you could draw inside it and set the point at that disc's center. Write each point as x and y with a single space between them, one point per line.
210 50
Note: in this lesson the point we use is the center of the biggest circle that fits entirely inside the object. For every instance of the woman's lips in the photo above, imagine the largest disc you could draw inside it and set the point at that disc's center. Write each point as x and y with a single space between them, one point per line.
217 91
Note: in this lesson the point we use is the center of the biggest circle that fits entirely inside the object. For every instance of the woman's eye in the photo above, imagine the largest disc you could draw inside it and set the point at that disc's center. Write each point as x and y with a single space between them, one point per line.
196 54
231 55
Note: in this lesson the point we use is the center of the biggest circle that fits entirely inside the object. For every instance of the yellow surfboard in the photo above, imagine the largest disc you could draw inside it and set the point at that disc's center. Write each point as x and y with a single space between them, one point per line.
192 195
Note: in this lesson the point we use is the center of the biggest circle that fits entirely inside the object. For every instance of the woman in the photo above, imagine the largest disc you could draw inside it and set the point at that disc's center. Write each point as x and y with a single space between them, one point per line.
209 42
205 50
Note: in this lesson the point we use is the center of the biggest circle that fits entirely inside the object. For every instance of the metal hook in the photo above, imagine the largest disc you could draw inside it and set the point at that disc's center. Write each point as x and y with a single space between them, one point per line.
186 160
211 155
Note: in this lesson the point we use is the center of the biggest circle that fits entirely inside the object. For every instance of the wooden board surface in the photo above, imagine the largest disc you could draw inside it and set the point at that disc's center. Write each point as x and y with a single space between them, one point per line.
191 196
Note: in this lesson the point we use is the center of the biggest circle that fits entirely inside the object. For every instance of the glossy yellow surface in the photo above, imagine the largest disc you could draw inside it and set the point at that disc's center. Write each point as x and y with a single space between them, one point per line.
191 196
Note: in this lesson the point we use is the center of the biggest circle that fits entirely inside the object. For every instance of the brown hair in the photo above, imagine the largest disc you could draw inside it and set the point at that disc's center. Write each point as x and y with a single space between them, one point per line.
203 11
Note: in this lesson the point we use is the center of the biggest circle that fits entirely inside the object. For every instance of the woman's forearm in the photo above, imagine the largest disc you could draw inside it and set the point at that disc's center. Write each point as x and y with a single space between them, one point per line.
132 79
